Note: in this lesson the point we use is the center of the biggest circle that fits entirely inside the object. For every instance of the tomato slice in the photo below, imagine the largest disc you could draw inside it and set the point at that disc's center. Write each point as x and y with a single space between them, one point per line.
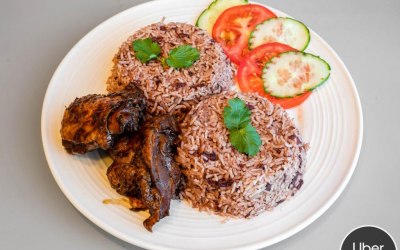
233 28
250 72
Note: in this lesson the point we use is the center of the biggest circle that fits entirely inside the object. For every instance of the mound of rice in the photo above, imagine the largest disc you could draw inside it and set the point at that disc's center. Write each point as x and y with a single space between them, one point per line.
222 180
171 90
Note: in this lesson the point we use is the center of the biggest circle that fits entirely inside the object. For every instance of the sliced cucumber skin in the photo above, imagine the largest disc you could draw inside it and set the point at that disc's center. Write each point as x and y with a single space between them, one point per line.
307 30
328 68
208 14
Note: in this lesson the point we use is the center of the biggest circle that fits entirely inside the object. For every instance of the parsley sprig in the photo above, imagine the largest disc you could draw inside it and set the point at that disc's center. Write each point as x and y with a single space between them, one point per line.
242 134
146 49
182 56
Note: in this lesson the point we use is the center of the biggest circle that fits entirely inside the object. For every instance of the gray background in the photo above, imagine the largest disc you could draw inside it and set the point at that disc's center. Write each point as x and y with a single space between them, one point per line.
36 35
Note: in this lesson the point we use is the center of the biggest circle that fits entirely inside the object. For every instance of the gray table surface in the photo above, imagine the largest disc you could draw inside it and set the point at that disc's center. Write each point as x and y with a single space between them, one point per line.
36 35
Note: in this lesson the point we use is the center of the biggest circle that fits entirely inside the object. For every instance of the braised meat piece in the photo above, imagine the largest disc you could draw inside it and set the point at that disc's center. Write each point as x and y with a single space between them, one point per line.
125 147
93 121
158 156
122 174
144 167
124 179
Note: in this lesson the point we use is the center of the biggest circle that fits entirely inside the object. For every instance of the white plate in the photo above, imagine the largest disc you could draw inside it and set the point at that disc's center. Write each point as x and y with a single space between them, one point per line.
331 120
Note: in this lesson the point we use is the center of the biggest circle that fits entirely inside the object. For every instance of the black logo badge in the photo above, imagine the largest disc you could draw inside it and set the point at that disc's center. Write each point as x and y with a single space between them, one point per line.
368 238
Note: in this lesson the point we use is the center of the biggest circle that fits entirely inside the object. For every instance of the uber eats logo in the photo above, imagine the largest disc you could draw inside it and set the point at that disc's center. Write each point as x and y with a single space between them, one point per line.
368 238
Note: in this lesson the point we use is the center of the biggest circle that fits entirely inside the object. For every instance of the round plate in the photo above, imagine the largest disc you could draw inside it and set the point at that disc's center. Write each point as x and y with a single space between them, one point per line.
331 120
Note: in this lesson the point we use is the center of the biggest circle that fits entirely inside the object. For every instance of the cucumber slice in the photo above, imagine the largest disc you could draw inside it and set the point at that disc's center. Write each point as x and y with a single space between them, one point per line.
283 30
208 17
292 73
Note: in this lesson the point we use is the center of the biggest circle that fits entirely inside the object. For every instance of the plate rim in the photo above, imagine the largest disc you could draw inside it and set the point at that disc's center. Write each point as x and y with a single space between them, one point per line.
149 245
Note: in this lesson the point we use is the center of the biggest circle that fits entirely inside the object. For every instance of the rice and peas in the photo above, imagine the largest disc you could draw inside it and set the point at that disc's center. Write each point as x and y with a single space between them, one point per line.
217 177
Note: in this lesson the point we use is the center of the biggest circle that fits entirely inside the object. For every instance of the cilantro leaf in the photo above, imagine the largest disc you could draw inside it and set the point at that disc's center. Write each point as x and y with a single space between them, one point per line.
242 135
236 115
146 49
246 140
182 56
